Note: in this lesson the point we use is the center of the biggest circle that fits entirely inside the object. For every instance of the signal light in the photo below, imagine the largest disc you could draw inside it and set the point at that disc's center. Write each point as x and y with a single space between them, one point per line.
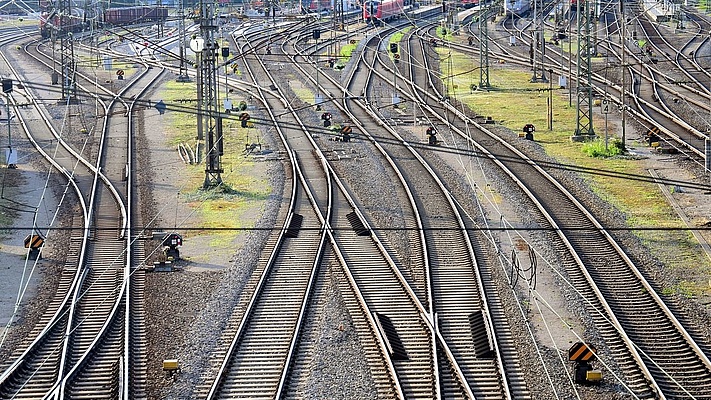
393 48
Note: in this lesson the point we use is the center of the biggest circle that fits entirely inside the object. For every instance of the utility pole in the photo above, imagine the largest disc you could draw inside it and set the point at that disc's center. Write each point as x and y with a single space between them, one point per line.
209 120
584 121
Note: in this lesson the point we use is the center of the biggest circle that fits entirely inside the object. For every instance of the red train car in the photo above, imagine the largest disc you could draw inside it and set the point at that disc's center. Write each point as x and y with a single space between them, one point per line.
320 5
67 23
135 15
377 11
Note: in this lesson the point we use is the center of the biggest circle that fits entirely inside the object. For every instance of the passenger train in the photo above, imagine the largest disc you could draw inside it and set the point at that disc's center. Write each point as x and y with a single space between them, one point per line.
378 11
517 8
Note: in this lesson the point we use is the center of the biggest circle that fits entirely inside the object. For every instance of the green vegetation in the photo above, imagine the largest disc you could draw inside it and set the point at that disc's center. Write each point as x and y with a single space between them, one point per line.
514 101
444 33
234 204
346 52
397 36
596 148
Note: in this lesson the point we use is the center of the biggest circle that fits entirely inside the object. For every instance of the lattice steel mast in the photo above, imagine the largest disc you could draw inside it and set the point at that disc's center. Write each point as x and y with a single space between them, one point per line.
62 9
584 121
209 120
484 49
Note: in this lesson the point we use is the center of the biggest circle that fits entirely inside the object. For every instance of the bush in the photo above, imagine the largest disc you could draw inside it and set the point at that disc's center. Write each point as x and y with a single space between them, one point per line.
596 148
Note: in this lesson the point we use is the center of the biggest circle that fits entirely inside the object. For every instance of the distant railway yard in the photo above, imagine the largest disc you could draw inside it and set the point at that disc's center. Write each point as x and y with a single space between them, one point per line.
504 200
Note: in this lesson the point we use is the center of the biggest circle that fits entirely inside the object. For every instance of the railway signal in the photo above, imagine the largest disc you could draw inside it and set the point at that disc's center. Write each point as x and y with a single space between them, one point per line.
171 243
431 136
393 48
326 117
528 130
583 354
346 132
244 118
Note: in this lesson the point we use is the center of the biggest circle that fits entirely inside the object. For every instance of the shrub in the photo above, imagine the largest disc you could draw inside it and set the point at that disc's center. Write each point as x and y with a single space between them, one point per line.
596 148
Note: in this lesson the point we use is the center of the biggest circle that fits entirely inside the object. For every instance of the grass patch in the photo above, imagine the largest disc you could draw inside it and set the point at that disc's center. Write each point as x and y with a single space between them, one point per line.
346 52
183 123
233 204
514 101
443 33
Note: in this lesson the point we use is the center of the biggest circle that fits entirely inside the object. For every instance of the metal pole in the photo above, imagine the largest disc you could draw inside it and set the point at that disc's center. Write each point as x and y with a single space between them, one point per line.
550 100
7 107
9 137
606 135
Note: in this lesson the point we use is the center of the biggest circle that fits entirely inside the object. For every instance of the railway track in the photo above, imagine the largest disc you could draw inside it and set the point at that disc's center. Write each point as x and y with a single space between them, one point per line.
431 308
287 274
656 104
362 266
89 333
454 286
618 286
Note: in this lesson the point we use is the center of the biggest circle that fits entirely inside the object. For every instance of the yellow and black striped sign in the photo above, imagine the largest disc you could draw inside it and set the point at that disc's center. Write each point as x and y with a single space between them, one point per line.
581 352
34 241
346 129
653 130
